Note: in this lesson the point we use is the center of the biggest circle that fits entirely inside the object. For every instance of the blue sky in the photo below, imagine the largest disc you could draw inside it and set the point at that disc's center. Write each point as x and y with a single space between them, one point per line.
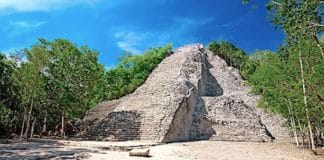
113 26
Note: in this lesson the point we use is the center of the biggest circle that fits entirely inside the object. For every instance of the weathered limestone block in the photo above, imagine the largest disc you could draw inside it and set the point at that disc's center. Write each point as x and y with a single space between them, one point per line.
140 152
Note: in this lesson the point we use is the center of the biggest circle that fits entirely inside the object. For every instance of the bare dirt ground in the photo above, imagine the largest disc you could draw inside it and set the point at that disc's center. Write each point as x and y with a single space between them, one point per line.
205 150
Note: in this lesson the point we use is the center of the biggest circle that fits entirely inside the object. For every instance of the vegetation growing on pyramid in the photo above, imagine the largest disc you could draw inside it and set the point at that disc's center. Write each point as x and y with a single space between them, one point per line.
235 57
132 71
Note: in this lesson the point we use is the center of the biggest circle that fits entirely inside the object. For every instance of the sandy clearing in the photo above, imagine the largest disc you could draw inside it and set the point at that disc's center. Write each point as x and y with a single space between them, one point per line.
219 150
205 150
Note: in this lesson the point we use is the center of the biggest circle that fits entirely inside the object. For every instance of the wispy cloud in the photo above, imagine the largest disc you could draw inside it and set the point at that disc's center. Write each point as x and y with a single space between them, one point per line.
25 24
234 23
185 26
39 5
137 41
16 28
192 22
130 41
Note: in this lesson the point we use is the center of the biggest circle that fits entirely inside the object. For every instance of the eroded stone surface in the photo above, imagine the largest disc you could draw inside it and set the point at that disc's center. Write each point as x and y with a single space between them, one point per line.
191 95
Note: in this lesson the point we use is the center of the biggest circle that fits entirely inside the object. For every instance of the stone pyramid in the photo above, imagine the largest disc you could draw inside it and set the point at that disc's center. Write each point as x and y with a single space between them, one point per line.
191 95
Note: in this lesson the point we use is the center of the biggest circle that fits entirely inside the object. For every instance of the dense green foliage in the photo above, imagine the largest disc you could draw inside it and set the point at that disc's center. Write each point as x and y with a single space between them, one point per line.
226 50
278 80
234 57
291 82
8 93
133 70
56 80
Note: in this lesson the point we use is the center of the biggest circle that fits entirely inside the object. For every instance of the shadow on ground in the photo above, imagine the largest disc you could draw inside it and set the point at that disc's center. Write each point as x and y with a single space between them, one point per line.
41 149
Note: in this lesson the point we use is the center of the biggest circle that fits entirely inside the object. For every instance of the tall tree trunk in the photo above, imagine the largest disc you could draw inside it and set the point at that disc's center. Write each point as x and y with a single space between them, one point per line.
13 127
28 118
44 123
322 137
301 129
318 135
292 122
63 127
32 129
308 119
23 124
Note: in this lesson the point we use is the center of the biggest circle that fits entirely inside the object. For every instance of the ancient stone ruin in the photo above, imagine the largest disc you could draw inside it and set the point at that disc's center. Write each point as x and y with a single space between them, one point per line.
191 95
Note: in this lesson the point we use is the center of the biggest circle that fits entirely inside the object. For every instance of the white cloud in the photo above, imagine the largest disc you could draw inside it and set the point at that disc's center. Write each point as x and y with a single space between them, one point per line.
25 24
231 25
39 5
138 41
192 21
183 27
129 41
16 28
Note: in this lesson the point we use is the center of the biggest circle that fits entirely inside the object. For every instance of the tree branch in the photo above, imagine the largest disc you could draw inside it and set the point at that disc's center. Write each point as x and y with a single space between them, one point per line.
276 3
316 24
